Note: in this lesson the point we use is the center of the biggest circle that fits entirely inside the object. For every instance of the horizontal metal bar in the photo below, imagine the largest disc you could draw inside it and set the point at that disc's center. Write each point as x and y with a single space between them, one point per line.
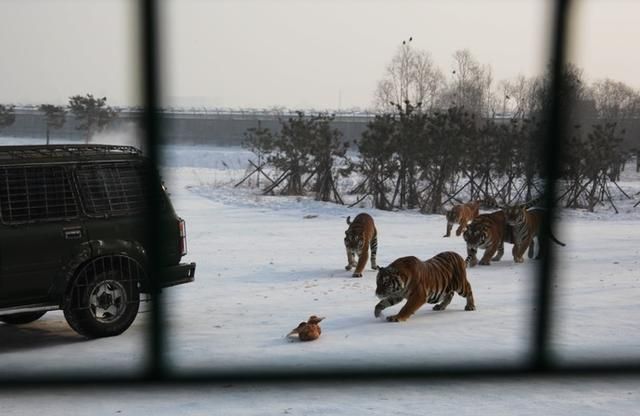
332 375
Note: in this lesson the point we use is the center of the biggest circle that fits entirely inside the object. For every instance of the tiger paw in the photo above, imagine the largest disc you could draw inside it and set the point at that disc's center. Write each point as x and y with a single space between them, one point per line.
438 308
393 318
374 267
377 312
485 262
519 260
356 275
348 267
470 308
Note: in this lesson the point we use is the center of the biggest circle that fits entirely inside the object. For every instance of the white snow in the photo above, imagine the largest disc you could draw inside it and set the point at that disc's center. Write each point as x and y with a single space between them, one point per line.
262 267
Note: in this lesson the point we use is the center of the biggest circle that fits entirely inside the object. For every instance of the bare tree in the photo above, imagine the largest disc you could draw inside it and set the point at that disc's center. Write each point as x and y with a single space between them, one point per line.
470 85
518 96
412 76
491 100
428 81
614 100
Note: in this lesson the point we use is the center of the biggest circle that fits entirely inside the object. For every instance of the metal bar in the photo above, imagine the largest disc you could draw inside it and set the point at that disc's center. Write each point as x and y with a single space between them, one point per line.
329 374
541 359
151 120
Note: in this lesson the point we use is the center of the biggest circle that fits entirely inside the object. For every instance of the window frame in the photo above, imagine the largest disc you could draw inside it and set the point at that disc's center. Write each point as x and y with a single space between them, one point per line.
539 363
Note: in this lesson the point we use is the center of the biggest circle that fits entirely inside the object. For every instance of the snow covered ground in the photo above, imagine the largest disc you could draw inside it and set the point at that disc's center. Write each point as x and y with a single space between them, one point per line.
266 263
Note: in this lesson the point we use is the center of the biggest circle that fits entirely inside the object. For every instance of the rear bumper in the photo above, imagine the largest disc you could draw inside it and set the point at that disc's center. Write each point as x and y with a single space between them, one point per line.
178 274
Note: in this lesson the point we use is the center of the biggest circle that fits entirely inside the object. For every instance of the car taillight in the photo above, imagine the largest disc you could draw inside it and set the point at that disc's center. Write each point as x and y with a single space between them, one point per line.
183 236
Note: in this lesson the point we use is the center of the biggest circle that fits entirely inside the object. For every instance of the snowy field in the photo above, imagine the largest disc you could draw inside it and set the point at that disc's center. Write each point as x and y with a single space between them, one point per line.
266 263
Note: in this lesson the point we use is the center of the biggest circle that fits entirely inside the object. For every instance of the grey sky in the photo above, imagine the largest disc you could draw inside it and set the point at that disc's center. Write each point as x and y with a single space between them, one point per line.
298 54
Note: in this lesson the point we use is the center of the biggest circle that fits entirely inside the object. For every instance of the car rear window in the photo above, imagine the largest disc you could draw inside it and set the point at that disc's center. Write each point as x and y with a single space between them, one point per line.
36 193
112 188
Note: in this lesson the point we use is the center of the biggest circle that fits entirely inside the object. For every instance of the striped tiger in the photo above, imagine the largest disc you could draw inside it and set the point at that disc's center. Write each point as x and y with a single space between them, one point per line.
359 237
420 282
526 225
489 232
461 215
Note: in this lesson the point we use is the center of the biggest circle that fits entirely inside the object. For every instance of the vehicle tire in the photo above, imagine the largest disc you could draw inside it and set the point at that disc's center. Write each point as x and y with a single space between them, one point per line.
22 318
104 299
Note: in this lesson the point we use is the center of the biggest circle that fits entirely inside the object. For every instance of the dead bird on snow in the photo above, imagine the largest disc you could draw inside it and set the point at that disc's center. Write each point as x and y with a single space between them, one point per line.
307 331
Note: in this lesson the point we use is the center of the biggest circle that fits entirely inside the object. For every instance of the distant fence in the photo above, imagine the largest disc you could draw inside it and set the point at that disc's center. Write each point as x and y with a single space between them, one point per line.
215 127
220 127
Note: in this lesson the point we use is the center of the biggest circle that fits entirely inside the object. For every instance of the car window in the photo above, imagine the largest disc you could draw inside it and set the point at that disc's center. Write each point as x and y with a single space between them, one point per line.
36 193
113 189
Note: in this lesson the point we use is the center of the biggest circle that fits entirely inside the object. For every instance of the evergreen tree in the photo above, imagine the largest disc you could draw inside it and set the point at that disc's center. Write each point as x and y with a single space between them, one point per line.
55 117
377 163
93 113
7 115
326 147
306 147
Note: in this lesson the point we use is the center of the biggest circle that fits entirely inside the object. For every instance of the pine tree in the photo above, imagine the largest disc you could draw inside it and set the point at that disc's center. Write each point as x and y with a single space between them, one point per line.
7 115
55 117
93 113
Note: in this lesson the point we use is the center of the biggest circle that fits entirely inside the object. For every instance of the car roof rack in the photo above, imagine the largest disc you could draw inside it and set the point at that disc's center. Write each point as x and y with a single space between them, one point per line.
65 151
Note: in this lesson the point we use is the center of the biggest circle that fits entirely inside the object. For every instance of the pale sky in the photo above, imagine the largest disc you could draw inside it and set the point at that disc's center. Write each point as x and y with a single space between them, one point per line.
293 53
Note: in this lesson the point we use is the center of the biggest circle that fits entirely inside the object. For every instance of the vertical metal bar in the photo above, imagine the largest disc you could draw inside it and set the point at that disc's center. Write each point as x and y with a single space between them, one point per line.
150 122
555 121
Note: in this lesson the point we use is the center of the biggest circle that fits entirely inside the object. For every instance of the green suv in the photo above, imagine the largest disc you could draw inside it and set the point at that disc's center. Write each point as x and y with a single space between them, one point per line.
72 236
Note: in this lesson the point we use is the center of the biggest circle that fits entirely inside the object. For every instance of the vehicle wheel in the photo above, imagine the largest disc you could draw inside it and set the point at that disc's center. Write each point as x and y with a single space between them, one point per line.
103 303
22 318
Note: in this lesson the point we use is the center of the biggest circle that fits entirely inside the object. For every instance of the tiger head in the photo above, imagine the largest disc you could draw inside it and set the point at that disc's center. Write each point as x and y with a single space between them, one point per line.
389 281
353 240
475 235
514 215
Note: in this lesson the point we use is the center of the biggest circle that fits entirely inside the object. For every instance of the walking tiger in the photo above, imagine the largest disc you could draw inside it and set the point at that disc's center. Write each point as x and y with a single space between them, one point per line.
420 282
526 225
461 215
359 237
489 232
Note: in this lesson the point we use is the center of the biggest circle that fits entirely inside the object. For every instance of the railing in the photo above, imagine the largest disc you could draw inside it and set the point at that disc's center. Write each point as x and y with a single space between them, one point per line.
49 152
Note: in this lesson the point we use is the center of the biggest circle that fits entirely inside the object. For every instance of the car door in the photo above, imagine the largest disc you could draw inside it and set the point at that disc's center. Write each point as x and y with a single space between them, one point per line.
41 227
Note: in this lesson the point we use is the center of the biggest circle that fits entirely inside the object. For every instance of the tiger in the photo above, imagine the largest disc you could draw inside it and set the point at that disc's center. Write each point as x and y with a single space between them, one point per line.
420 282
526 225
489 232
462 215
359 237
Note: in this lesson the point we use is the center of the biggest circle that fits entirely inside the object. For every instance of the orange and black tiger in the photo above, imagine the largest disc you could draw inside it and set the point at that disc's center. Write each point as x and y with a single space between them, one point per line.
526 225
461 215
488 232
359 237
420 282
